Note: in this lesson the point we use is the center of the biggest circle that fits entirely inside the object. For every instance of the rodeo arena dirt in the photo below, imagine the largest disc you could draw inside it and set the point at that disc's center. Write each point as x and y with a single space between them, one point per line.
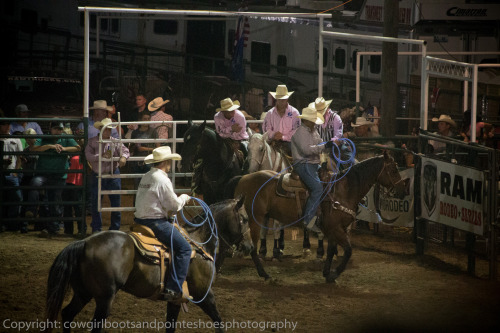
417 252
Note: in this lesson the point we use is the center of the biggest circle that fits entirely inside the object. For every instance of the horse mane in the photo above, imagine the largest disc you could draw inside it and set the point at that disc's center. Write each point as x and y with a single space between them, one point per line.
364 170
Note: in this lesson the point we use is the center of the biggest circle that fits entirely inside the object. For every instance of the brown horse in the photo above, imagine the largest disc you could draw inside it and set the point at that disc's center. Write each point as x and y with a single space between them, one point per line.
106 262
338 206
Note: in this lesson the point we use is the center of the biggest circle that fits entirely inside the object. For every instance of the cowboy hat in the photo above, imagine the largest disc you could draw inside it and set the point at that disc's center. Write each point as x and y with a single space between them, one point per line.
281 92
22 108
160 154
157 103
445 118
101 105
360 121
228 105
104 122
321 105
311 114
263 115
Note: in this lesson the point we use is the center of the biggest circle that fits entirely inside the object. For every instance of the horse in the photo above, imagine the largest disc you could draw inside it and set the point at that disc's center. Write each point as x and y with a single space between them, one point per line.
338 206
218 161
262 156
100 265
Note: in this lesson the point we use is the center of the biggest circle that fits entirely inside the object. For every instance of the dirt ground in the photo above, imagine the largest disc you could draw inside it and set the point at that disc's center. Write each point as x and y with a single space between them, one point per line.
385 287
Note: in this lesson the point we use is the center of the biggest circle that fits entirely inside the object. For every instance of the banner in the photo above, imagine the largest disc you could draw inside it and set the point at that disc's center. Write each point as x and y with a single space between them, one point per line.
381 205
452 195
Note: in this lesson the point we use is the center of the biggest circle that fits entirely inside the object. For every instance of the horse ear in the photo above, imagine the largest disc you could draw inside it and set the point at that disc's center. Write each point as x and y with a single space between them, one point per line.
202 126
264 136
241 201
190 122
386 154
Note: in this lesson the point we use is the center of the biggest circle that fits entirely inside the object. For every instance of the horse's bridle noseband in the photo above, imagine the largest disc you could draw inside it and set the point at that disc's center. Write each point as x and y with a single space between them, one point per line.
393 184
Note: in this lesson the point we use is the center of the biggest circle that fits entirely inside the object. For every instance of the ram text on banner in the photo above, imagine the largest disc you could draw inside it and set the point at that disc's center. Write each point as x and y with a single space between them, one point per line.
453 195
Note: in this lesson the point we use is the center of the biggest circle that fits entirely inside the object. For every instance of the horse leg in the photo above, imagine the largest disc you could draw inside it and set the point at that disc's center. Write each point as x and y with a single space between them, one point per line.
330 252
220 260
344 242
69 312
210 308
278 240
255 232
263 237
172 315
320 252
306 245
102 310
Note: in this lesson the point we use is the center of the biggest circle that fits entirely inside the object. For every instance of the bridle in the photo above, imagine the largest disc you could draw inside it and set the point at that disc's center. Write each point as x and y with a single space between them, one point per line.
393 184
267 153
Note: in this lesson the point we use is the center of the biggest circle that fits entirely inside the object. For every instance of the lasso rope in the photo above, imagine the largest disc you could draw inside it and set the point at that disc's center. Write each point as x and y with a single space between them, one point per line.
213 228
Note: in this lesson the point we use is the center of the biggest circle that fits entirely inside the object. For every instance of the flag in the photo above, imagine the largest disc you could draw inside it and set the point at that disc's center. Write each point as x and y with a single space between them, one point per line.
240 42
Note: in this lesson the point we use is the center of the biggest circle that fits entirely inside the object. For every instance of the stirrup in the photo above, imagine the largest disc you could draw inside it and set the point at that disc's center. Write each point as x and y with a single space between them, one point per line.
311 226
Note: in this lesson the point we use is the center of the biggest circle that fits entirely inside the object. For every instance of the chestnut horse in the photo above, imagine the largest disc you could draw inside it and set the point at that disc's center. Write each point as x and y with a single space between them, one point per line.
338 206
100 265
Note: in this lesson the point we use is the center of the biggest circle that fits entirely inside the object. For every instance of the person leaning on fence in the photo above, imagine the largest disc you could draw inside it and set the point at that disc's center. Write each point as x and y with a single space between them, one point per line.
22 111
445 128
155 207
11 179
50 171
108 167
99 111
281 121
361 129
231 125
141 106
157 109
306 150
142 149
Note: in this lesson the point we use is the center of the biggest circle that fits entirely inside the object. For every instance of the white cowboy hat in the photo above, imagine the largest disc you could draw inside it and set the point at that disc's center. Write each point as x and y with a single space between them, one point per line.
228 105
263 115
360 121
160 154
157 103
321 105
104 122
281 92
445 118
311 114
101 105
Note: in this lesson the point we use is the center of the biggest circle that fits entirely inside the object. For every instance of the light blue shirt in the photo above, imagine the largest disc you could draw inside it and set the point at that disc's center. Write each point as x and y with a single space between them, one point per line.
16 127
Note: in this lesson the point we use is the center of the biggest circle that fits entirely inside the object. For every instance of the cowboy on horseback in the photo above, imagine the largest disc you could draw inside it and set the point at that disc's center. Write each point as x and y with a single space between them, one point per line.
231 125
281 121
155 206
306 150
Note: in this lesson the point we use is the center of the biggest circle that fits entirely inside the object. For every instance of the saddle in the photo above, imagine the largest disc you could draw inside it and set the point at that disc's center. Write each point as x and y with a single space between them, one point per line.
157 253
290 186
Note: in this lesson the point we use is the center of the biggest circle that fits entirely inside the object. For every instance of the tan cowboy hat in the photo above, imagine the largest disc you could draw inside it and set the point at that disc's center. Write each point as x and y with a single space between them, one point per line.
104 122
445 118
160 154
157 103
361 121
101 105
30 131
311 114
228 105
281 92
321 105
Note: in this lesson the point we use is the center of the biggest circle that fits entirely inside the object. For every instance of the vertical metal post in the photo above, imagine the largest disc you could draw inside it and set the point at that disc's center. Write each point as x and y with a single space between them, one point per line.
466 92
97 35
474 106
493 190
174 150
320 57
86 68
358 84
424 89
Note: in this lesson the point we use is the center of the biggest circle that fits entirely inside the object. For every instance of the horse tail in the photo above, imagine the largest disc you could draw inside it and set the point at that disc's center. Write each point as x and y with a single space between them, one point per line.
64 267
231 187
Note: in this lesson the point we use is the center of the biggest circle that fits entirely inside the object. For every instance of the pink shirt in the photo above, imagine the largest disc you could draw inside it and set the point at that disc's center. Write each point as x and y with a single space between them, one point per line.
286 125
223 125
92 154
162 132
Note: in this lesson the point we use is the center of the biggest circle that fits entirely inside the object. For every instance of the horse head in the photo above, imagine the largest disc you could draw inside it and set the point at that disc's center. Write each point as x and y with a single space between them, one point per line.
192 138
234 228
390 178
256 152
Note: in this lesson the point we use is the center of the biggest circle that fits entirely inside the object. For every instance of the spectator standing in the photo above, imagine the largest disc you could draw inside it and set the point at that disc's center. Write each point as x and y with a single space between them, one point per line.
29 162
11 179
142 149
445 126
55 158
361 129
22 111
157 109
281 121
99 112
109 150
141 105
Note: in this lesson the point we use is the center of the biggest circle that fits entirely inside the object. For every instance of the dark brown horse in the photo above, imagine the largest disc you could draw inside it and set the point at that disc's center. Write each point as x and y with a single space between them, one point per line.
338 207
106 262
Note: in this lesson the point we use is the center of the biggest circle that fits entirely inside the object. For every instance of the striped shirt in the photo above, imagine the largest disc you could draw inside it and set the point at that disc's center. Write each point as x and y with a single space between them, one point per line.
333 128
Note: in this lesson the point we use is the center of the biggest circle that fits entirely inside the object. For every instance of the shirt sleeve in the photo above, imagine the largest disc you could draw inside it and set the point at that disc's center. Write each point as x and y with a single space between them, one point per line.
267 126
170 202
295 124
338 127
220 126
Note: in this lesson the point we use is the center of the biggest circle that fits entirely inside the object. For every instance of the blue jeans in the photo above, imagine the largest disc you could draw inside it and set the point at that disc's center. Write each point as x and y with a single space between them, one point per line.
13 195
308 173
52 195
107 184
181 250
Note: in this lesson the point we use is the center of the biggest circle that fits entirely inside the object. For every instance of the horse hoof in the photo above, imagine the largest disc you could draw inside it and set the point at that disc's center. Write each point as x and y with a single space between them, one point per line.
306 252
332 277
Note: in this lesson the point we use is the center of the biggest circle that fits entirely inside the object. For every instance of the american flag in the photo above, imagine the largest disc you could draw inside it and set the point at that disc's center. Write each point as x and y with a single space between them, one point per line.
240 42
242 32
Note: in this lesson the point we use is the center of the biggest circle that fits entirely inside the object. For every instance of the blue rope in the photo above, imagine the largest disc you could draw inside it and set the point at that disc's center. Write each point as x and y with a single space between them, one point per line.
213 227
